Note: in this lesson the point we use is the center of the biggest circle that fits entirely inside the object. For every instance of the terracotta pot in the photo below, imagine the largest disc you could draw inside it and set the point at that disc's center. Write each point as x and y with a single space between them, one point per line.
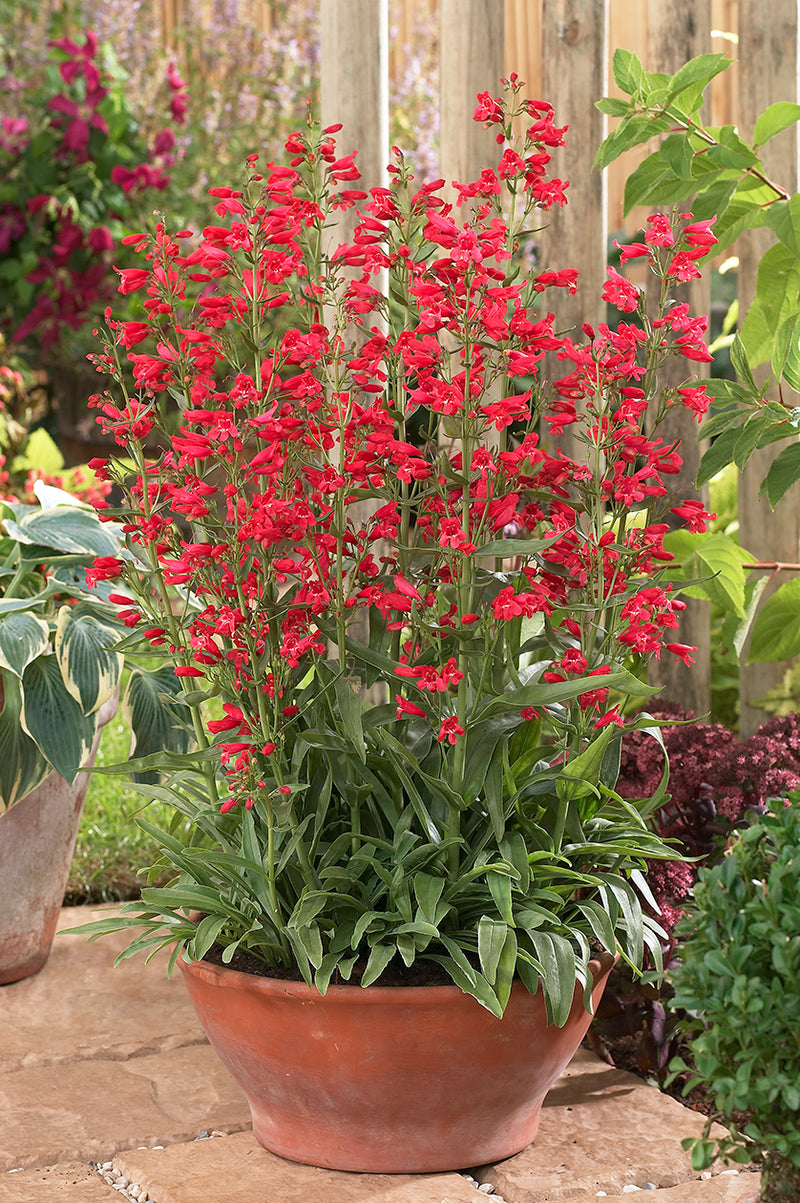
37 840
386 1079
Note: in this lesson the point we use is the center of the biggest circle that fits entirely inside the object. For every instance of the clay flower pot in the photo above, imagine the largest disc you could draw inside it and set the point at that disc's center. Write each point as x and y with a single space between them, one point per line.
37 840
386 1079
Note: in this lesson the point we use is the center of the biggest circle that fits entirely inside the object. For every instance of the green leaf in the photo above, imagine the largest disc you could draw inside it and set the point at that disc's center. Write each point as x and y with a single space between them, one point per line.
491 942
349 705
777 297
557 959
613 106
786 354
23 637
156 725
784 471
776 630
89 665
584 770
718 456
776 118
783 218
697 73
68 528
52 717
721 556
627 70
22 766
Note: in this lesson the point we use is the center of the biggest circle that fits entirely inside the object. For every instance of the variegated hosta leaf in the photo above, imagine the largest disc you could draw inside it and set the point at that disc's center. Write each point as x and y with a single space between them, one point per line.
22 766
71 529
52 717
84 647
155 723
23 637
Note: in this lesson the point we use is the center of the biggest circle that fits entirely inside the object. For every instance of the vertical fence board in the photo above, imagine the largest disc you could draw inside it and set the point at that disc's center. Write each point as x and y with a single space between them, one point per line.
574 57
472 35
768 45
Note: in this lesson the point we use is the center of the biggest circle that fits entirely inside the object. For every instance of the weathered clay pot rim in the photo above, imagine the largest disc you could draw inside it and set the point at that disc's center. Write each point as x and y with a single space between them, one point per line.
349 994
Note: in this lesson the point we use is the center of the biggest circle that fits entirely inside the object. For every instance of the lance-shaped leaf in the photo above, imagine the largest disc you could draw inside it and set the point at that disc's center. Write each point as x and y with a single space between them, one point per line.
90 667
22 766
23 637
52 717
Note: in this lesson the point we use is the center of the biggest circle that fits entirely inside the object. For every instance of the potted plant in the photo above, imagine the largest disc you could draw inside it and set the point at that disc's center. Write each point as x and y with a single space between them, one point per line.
406 630
60 674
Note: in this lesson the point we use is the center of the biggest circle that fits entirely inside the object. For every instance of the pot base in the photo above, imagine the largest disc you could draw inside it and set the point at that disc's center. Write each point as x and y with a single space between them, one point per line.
391 1080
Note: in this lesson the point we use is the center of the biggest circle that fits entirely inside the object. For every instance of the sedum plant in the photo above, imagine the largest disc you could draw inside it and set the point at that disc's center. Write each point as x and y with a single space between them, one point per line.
405 623
739 980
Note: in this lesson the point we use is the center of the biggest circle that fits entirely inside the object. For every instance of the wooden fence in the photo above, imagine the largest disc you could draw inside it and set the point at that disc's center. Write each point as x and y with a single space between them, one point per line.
563 48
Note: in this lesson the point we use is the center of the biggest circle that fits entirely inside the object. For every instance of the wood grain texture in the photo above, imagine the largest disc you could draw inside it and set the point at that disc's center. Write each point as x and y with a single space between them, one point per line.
768 49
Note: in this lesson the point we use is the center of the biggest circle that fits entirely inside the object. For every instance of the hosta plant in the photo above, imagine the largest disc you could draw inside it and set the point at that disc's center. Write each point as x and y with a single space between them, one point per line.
59 661
404 621
739 981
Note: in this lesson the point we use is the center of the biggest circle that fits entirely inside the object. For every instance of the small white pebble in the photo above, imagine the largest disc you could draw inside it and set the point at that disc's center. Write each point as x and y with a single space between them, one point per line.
630 1188
601 1194
486 1188
107 1165
706 1174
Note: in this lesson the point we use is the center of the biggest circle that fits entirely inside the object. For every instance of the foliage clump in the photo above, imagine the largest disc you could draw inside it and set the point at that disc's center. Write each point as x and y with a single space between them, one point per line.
739 980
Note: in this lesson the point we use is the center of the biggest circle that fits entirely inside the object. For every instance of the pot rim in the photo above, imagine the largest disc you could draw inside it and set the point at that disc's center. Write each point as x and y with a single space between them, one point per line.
345 992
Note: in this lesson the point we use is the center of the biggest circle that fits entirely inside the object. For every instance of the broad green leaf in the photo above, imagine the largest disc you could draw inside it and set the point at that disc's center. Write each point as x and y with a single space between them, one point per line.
776 298
428 891
783 218
697 73
631 131
613 106
718 456
628 71
776 630
156 725
22 766
786 354
754 428
52 717
90 666
73 529
776 118
654 181
784 471
23 637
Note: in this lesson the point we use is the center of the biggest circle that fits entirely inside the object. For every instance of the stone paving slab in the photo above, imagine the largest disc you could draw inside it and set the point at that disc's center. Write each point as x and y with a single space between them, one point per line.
186 1173
723 1188
78 1007
69 1182
88 1110
601 1129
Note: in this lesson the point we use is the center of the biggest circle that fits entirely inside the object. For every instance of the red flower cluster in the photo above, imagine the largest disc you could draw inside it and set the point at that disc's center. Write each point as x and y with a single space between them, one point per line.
337 469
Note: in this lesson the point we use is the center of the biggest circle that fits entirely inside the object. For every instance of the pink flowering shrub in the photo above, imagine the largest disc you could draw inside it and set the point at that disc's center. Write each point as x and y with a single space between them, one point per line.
74 174
418 617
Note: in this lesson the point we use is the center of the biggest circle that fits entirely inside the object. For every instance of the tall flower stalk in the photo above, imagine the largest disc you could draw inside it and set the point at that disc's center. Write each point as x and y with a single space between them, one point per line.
359 489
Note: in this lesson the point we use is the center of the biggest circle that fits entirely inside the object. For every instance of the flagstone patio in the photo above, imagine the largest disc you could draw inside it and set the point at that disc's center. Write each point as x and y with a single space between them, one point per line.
109 1090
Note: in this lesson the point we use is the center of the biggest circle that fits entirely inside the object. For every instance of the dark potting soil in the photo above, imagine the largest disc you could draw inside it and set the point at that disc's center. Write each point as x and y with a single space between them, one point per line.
421 973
